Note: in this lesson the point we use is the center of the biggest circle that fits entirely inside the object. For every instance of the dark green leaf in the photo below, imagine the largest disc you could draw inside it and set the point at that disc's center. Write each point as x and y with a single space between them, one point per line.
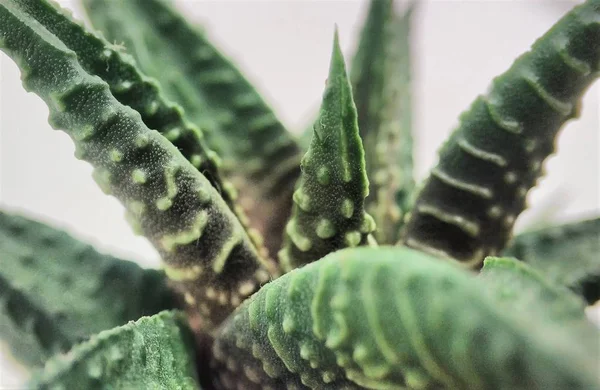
57 291
128 85
469 204
525 291
380 76
567 255
201 241
329 211
259 156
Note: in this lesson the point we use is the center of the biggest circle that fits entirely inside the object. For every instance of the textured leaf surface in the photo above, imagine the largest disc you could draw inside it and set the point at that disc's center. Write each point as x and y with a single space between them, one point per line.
259 156
380 76
469 204
123 23
522 289
568 255
56 291
208 254
152 353
391 318
130 87
328 211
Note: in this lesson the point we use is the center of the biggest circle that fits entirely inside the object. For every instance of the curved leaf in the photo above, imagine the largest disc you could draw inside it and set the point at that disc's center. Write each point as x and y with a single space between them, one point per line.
152 353
57 291
392 318
130 87
329 211
259 156
469 204
568 255
201 241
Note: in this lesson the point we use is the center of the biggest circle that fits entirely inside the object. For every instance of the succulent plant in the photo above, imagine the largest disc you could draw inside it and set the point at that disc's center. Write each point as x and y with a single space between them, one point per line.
311 262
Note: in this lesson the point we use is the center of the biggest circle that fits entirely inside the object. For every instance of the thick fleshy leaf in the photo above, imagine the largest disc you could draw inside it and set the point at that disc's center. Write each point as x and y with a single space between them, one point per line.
468 206
380 76
567 255
259 156
522 289
132 88
129 86
56 291
207 252
392 318
328 211
152 353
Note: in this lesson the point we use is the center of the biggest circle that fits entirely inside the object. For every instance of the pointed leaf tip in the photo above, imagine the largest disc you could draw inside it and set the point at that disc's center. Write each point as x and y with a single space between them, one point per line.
337 101
337 66
329 203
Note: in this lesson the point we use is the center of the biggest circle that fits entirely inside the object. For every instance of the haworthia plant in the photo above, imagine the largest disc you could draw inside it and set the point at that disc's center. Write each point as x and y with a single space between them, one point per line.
168 122
328 209
259 156
57 291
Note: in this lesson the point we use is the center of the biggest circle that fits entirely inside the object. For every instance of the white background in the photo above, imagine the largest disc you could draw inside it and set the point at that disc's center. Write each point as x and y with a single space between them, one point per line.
284 48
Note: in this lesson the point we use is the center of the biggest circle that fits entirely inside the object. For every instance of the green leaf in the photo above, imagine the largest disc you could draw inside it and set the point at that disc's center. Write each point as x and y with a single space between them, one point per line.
328 213
567 255
392 318
380 77
152 353
56 290
201 241
259 156
471 200
130 87
123 23
522 289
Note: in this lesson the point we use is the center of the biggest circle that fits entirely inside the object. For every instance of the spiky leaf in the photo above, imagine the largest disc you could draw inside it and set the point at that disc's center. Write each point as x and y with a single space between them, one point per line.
129 86
568 255
380 76
259 156
392 318
152 353
469 204
329 211
57 291
176 207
